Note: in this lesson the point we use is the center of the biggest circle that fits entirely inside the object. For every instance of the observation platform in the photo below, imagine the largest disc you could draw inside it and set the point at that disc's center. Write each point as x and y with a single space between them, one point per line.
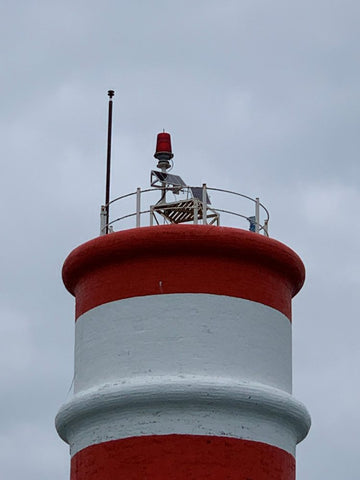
184 204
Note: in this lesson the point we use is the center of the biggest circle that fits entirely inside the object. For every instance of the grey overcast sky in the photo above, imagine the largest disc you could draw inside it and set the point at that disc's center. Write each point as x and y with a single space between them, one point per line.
261 97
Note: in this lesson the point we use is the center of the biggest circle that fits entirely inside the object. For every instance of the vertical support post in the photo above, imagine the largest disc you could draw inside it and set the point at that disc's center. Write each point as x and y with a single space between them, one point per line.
103 217
266 227
196 211
138 206
151 217
204 204
108 160
257 214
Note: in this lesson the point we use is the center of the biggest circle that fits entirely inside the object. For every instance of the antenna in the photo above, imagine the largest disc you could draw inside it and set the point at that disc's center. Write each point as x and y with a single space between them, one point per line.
108 160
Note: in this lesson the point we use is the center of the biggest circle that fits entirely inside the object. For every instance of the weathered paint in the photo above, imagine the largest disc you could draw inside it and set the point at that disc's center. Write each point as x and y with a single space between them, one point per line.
177 457
188 406
182 334
183 259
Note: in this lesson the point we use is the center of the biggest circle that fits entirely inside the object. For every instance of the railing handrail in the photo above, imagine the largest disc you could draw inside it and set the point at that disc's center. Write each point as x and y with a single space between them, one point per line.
240 195
134 193
171 189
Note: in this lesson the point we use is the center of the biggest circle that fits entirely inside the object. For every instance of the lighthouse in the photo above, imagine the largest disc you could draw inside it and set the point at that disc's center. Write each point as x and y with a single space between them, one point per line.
183 341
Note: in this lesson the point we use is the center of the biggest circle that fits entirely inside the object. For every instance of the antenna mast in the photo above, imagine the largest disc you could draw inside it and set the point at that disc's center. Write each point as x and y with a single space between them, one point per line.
108 160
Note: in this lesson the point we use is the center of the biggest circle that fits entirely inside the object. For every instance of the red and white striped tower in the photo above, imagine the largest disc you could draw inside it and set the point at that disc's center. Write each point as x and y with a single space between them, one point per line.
183 356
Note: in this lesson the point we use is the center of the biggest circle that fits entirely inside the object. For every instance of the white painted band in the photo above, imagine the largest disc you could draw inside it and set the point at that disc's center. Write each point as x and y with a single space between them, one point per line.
191 405
182 334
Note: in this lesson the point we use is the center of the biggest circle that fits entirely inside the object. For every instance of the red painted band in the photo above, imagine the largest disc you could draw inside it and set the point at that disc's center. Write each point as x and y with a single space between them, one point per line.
183 259
182 457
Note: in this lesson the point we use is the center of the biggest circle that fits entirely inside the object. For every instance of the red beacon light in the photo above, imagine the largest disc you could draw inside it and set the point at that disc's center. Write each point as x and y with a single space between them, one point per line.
163 150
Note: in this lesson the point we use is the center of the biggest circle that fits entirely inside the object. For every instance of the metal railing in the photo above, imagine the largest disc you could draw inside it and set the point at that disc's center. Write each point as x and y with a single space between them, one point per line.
201 211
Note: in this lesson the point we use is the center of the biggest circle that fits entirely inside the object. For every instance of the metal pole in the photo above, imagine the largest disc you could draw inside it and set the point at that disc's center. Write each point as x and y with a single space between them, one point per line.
108 160
266 227
257 214
196 211
138 206
204 204
103 223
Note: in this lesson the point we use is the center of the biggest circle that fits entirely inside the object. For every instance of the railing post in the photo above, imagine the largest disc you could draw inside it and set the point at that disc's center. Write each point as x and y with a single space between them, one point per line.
196 212
103 218
204 204
257 214
266 227
138 206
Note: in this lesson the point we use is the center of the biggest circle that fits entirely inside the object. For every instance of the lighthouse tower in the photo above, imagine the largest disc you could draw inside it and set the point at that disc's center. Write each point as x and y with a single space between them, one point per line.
183 344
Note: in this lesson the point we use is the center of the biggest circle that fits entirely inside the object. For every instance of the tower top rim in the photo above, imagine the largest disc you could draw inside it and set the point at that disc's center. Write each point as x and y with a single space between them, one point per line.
192 240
